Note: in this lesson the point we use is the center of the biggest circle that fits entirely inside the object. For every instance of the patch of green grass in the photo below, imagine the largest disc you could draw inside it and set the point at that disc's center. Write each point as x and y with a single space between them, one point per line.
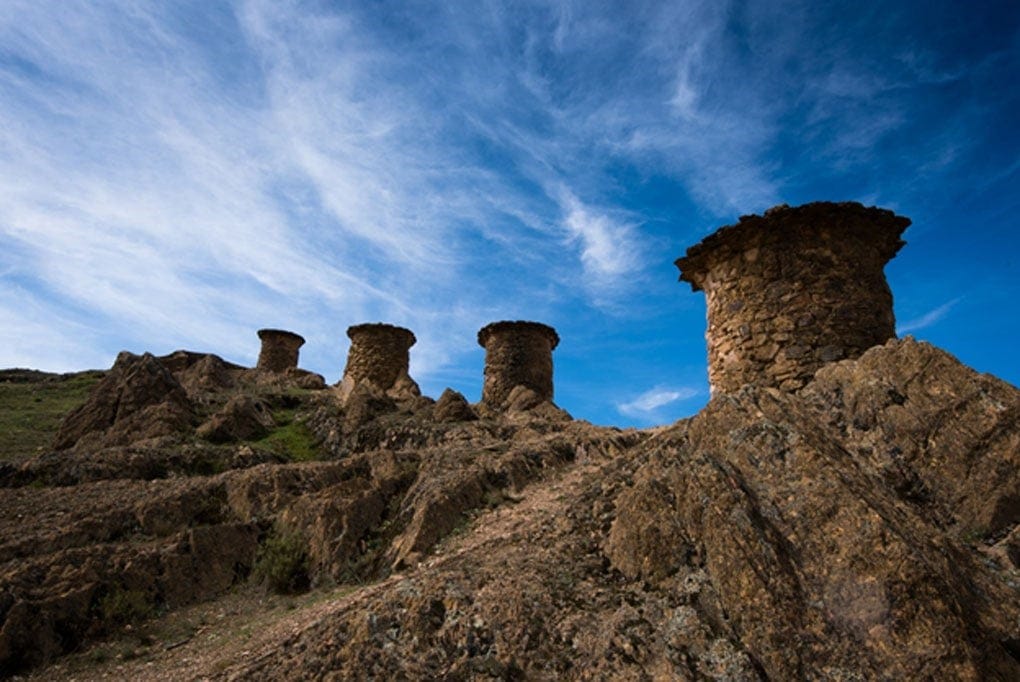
31 411
290 438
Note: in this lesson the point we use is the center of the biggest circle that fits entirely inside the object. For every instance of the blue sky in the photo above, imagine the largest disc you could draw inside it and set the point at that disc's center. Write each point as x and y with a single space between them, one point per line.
180 174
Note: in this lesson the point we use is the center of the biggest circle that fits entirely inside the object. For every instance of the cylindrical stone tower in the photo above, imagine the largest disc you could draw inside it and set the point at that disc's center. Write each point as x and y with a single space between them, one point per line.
517 354
279 350
794 289
379 353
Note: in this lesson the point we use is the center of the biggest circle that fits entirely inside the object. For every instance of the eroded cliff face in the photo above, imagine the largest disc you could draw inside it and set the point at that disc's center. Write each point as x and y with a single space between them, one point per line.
772 536
864 527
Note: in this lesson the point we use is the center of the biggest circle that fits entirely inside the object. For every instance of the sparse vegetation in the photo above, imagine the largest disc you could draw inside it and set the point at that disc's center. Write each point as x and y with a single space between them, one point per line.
282 562
31 409
291 438
121 606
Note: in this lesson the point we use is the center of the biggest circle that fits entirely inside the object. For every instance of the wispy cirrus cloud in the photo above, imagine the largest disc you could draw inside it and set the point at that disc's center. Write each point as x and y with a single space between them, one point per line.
928 319
649 406
184 173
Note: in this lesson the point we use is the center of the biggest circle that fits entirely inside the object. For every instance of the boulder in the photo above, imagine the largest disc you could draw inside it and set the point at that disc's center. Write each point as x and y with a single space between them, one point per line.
242 418
453 407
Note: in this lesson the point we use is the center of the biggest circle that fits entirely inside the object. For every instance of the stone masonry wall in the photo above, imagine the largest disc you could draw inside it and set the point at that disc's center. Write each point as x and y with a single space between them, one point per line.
517 353
379 353
794 289
279 350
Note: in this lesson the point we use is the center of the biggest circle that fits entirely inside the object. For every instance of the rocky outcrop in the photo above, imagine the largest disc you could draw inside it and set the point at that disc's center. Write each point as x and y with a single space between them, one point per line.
794 289
804 541
821 518
453 407
944 438
137 400
752 541
207 374
242 418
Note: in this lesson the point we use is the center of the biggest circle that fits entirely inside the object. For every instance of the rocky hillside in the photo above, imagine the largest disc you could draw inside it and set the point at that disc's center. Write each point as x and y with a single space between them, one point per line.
864 527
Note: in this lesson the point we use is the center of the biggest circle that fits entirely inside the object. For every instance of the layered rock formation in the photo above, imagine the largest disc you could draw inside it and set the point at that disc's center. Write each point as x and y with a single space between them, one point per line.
794 289
753 541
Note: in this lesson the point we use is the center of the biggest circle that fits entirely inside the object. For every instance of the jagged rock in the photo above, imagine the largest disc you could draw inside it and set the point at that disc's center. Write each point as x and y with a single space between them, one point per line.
242 418
860 528
363 403
1008 549
108 551
945 438
453 407
138 399
206 374
804 541
181 360
335 524
308 380
140 461
753 541
265 490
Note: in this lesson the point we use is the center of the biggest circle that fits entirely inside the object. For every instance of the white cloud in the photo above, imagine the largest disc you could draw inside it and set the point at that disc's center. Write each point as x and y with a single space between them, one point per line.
185 173
648 406
928 319
610 249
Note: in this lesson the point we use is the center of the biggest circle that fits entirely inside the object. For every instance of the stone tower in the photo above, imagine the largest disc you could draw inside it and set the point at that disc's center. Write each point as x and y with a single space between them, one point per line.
517 354
379 355
279 350
794 289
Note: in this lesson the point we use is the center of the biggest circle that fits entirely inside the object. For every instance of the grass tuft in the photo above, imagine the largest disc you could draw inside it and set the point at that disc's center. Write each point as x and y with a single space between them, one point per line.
291 438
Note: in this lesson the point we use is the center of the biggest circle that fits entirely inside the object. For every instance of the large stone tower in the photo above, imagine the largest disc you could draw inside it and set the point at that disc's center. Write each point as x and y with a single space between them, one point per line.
517 354
379 355
279 350
794 289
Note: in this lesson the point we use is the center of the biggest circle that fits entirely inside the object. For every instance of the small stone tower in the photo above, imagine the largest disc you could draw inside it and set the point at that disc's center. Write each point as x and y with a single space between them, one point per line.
379 354
517 354
794 289
279 350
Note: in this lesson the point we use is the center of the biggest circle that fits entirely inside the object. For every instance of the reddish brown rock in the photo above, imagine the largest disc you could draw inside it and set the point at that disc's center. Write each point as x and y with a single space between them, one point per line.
242 418
138 399
517 354
379 356
794 289
453 407
864 526
279 350
207 374
944 438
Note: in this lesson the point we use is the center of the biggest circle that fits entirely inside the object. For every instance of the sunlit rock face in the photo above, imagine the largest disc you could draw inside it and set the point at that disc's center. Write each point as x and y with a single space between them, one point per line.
379 356
794 289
